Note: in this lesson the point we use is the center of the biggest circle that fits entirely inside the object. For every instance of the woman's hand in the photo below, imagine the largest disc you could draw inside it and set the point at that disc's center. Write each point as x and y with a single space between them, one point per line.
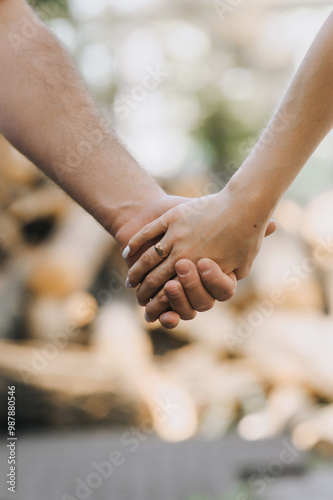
193 288
222 227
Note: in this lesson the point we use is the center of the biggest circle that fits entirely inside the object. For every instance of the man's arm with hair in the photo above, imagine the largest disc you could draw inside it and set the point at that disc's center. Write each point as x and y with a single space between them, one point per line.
47 114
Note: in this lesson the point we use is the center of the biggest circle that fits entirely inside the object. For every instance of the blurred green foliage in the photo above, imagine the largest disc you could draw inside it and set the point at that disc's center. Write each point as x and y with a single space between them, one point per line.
220 134
50 8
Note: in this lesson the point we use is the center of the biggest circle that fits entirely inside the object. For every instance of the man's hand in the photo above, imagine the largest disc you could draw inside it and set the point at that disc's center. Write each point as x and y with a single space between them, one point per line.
194 288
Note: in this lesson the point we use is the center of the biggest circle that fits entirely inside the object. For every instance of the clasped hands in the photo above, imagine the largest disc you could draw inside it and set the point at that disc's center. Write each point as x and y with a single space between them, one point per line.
210 243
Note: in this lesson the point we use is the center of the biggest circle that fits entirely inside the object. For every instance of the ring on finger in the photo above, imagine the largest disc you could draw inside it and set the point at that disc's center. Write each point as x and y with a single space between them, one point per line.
160 250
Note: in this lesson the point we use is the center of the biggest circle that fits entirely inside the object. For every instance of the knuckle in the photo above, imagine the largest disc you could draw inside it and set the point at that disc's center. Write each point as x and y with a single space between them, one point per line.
147 259
162 299
150 281
146 229
190 285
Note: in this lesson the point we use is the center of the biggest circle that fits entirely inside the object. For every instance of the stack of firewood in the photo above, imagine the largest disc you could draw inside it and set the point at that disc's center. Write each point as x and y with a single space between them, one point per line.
75 344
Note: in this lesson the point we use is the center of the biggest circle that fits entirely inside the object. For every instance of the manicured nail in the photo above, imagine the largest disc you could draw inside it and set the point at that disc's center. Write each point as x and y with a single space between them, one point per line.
128 284
146 317
126 252
185 270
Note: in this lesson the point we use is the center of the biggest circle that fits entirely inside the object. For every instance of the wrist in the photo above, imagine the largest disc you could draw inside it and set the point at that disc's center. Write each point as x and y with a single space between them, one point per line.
152 207
119 221
258 200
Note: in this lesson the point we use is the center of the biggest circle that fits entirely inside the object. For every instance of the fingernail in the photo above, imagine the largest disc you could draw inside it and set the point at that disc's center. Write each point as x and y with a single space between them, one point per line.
146 317
126 252
128 284
185 270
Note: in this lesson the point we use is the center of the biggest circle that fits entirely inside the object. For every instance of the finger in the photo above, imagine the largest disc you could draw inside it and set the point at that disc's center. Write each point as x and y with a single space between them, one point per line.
196 293
157 306
169 319
220 285
161 303
178 300
154 281
148 232
271 228
148 261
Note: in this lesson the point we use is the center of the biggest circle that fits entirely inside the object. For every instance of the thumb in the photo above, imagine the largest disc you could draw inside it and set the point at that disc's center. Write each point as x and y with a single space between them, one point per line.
271 228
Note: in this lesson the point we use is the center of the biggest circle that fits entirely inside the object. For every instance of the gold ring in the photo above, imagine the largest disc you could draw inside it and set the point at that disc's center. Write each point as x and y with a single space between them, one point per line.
160 250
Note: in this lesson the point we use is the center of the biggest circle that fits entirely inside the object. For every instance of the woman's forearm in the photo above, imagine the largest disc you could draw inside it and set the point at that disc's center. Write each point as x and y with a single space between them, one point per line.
301 122
47 113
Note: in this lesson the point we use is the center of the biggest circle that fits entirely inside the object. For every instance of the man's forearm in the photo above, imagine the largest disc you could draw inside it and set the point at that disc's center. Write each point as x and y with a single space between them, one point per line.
303 119
47 113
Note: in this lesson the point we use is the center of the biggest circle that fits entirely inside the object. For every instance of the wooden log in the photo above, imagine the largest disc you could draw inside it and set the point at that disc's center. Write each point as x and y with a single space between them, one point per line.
206 378
209 329
315 431
317 230
49 316
60 385
15 167
218 389
10 236
284 403
317 225
70 261
47 201
118 338
292 347
5 195
13 298
289 216
284 266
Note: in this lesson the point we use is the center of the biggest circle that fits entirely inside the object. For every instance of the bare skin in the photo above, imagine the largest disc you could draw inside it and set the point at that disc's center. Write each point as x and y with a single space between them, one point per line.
47 114
229 227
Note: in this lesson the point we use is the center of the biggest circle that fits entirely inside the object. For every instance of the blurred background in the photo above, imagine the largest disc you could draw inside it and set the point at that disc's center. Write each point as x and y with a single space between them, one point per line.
235 405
